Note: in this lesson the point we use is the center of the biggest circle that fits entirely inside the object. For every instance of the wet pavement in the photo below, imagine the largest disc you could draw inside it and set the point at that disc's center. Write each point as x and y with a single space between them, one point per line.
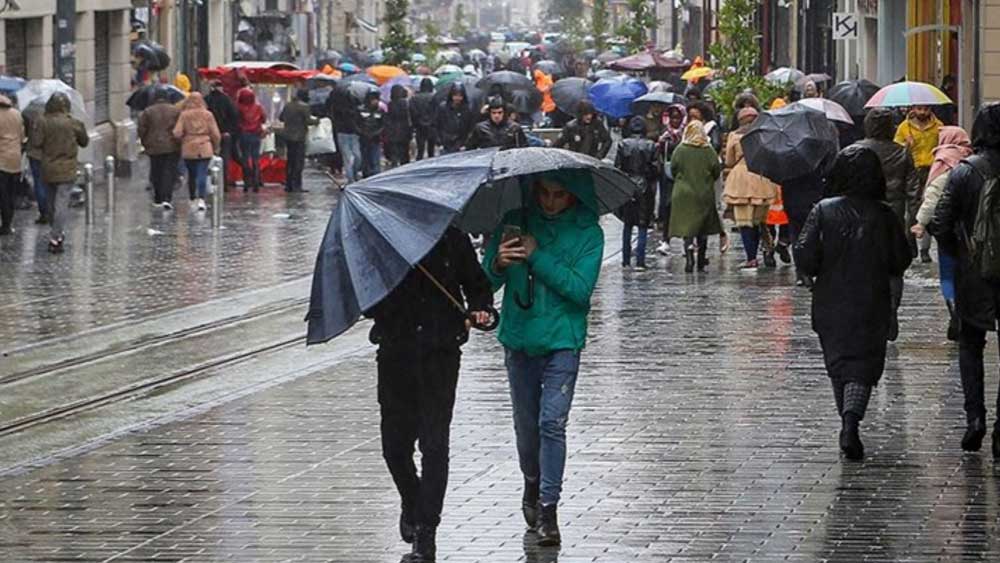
703 426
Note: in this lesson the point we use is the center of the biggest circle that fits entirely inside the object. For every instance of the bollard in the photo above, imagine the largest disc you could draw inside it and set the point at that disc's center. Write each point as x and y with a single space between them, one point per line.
218 192
88 191
109 175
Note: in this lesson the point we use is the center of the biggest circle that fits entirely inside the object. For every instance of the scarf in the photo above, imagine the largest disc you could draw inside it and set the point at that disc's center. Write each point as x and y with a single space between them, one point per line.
954 145
694 134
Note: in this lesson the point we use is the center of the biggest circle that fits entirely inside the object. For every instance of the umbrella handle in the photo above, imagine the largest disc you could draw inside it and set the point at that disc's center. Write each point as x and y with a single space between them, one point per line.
531 294
490 326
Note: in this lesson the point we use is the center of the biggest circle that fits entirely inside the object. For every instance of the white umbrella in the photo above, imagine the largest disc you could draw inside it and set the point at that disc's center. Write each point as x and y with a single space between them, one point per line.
447 69
833 110
41 90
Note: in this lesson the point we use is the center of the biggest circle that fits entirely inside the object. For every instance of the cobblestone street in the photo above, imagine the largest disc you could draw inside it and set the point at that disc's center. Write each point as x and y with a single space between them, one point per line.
703 426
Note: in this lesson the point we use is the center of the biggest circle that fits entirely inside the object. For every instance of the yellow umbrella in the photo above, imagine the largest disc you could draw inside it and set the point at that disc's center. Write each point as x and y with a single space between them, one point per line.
697 73
384 73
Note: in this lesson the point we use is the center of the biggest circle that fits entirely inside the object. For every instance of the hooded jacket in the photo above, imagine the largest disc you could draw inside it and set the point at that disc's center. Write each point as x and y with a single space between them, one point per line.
398 128
902 184
296 117
251 113
11 137
588 138
58 136
955 215
454 123
506 135
227 117
423 110
637 157
156 127
852 243
196 129
369 122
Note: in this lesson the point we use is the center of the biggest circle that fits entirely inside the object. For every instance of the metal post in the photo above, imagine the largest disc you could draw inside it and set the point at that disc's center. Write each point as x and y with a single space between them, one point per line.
218 193
88 190
109 176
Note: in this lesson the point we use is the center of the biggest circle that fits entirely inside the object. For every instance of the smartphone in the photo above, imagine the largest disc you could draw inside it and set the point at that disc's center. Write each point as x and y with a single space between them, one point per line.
511 232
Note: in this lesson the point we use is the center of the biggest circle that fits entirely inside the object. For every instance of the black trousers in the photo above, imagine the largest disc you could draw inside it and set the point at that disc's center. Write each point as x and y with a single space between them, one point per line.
163 175
425 140
399 153
416 393
296 153
971 342
9 184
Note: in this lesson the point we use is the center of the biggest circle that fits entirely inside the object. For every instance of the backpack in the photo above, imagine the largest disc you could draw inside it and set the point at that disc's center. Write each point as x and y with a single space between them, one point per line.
985 240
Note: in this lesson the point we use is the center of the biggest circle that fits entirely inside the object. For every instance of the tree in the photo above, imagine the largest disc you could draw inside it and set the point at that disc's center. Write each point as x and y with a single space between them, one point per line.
738 56
599 23
433 32
641 18
398 42
459 29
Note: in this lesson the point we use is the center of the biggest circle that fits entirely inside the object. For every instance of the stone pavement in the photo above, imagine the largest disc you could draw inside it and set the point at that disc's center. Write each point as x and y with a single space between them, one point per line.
703 429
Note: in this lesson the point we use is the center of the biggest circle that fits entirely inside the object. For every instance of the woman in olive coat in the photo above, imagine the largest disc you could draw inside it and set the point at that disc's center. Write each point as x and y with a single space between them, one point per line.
693 212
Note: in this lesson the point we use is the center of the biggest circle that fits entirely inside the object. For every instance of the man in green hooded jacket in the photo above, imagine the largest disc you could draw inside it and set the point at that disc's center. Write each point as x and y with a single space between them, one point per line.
548 263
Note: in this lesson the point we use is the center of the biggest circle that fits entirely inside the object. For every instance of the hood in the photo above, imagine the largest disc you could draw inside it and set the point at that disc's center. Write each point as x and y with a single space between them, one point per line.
426 85
585 107
857 172
880 124
246 97
183 82
579 182
459 88
58 103
637 126
194 101
951 135
986 128
398 92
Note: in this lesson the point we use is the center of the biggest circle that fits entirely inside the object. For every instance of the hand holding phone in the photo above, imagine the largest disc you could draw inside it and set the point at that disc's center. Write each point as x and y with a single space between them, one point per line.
511 250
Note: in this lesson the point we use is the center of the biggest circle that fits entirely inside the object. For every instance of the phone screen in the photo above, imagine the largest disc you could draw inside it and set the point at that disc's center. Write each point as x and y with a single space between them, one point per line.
511 232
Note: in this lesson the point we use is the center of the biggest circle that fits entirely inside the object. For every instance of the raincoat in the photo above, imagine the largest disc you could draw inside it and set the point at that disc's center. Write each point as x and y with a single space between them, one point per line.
920 138
544 84
695 168
251 112
566 266
58 135
902 183
196 129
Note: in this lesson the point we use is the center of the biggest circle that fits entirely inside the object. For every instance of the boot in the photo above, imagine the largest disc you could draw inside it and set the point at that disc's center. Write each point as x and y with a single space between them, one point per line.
925 256
783 253
702 259
893 327
548 527
954 325
974 433
850 439
769 261
689 260
407 527
529 503
424 546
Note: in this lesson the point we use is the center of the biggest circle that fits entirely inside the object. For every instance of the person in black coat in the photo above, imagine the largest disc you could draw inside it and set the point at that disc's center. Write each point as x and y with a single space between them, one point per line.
637 157
227 117
497 131
853 244
370 125
423 112
977 300
454 120
398 127
419 333
586 134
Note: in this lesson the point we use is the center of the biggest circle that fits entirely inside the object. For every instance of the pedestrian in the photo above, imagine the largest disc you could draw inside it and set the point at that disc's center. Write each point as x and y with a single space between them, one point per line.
810 90
454 120
344 117
398 127
745 99
296 117
853 244
977 296
777 229
497 131
637 157
693 210
702 112
919 134
548 264
370 126
200 139
156 131
227 117
673 134
35 167
251 132
586 134
423 113
750 195
419 336
954 145
902 185
799 195
58 136
11 141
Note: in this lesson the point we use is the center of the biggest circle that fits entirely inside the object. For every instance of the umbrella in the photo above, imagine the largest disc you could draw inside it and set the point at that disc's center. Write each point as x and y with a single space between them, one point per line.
642 104
474 94
416 79
507 80
385 225
817 78
153 54
905 94
551 68
11 84
504 57
697 73
526 102
477 54
614 97
567 93
353 92
384 73
418 58
784 76
788 143
830 108
448 69
606 73
321 81
608 56
450 57
648 60
660 86
588 54
401 80
359 78
853 95
42 90
328 57
377 56
349 67
143 97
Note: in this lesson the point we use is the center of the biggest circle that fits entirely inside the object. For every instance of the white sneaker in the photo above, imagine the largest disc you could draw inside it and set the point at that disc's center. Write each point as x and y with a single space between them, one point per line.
201 205
167 206
156 205
663 249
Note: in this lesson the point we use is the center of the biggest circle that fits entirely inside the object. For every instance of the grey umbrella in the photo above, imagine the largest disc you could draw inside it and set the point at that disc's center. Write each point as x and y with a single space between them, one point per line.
789 143
567 93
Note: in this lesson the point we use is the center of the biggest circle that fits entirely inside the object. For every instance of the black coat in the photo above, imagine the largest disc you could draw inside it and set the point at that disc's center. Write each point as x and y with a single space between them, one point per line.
227 117
398 128
423 110
852 243
802 193
591 139
954 218
637 157
453 125
369 123
902 184
418 315
507 135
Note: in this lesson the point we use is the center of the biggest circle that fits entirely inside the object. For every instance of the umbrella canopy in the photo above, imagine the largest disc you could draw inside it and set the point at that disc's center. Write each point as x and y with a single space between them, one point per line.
474 94
143 97
853 95
526 101
660 86
789 143
614 96
349 67
416 79
817 77
353 92
43 89
418 58
507 80
402 80
904 94
641 105
447 69
153 54
11 84
698 73
567 93
830 108
450 57
384 225
784 76
477 54
608 56
551 68
384 73
649 60
321 81
606 73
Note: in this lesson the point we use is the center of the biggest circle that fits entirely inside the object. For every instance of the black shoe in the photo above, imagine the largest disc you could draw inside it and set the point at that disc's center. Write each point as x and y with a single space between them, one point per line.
783 253
689 261
424 546
407 527
769 261
893 328
850 442
925 256
548 526
953 329
974 434
4 231
529 504
42 220
996 443
56 246
702 260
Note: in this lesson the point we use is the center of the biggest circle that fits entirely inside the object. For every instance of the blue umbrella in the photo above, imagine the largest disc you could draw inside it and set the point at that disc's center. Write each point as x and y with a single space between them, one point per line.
11 84
385 225
614 96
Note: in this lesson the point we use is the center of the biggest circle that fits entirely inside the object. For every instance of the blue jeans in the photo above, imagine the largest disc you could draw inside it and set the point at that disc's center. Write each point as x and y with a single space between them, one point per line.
541 392
41 192
371 152
250 153
197 169
350 152
640 247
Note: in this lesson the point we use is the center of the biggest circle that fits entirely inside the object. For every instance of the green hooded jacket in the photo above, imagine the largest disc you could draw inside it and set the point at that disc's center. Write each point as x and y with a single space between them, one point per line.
566 266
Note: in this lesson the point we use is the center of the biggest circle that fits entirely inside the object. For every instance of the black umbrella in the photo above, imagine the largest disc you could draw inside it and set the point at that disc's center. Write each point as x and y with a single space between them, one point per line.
143 97
525 101
472 92
353 92
153 54
853 95
606 73
569 92
385 225
551 68
506 80
641 105
789 143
